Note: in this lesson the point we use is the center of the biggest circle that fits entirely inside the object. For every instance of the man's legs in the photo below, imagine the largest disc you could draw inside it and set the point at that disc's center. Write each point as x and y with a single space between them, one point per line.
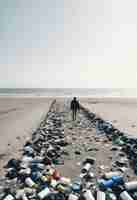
75 113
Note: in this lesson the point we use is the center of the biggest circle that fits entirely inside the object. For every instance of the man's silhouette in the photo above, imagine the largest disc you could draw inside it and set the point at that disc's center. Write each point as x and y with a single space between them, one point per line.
74 107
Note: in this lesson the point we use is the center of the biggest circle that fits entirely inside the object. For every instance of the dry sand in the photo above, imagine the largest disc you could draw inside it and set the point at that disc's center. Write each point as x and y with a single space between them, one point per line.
18 118
122 112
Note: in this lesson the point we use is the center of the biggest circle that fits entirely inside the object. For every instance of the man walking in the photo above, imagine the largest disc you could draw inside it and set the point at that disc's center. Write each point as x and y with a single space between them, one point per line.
74 107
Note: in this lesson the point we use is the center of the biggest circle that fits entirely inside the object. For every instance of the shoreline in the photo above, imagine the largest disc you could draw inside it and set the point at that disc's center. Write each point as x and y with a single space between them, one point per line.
68 96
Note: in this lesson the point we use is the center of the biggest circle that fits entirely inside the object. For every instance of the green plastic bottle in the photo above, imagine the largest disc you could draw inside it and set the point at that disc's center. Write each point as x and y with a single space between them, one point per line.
110 195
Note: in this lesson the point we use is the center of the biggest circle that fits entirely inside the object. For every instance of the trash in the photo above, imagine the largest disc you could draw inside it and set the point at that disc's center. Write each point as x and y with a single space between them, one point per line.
121 162
87 194
130 186
110 195
13 163
123 169
53 183
73 197
104 184
36 175
64 180
29 182
56 175
86 168
12 173
101 195
89 160
87 164
24 197
118 141
44 193
109 175
90 175
76 186
9 197
125 196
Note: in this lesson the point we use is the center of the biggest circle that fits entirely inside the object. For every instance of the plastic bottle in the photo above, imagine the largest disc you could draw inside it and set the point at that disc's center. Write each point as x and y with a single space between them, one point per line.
9 197
29 182
131 185
24 197
44 193
26 171
73 197
60 188
20 194
117 179
91 175
101 195
111 182
86 168
88 195
106 184
76 186
56 175
109 175
64 180
110 196
125 196
53 183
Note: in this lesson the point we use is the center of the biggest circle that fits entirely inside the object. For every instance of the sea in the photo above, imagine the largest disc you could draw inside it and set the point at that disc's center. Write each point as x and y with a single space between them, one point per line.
69 92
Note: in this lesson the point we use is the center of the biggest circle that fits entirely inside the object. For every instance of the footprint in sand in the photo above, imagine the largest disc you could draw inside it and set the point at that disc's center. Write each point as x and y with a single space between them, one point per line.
133 125
2 156
18 138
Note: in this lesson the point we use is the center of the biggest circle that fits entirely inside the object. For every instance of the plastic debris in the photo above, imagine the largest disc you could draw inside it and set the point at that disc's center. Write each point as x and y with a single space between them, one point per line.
35 175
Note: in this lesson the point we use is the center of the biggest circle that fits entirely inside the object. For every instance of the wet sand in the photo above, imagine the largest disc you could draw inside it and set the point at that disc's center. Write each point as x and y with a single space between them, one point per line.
18 118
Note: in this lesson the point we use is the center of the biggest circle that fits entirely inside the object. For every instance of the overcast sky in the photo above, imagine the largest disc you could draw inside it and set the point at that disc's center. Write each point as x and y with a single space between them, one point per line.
68 43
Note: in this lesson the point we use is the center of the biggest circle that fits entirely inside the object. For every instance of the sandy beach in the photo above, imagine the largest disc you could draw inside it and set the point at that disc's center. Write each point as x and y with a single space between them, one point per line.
121 112
20 116
67 144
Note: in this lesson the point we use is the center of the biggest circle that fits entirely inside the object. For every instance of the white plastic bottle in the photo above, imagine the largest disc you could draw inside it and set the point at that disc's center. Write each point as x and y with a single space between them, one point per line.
131 185
125 196
29 182
73 197
9 197
101 195
44 193
88 195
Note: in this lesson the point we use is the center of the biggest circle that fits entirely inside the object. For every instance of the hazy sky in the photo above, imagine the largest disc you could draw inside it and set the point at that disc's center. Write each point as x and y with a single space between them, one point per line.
68 43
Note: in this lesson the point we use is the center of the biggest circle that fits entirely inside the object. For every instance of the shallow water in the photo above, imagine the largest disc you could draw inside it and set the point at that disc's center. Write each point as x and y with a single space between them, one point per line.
69 92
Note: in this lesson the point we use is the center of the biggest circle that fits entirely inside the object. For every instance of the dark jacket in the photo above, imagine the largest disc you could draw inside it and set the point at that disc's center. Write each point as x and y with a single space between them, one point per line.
74 105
